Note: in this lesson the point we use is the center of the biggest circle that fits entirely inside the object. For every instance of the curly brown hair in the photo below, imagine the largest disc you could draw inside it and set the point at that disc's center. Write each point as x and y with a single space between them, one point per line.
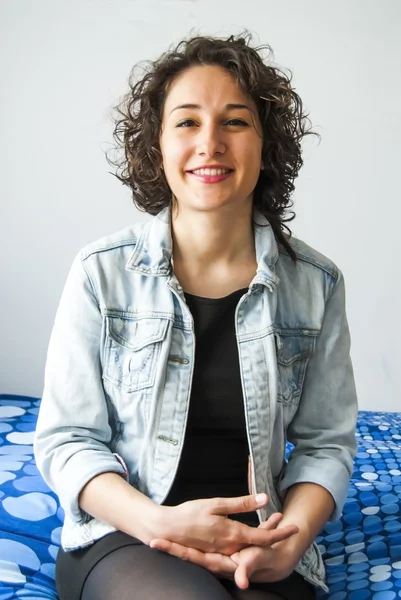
284 124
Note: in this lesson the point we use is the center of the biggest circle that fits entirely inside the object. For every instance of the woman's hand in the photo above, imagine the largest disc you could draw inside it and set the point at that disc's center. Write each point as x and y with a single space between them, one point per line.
203 525
261 564
221 564
215 562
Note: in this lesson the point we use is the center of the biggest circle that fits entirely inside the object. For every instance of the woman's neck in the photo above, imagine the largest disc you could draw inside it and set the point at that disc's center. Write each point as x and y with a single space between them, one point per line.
213 254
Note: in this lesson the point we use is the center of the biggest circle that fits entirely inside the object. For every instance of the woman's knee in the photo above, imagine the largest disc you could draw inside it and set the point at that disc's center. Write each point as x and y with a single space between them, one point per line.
139 572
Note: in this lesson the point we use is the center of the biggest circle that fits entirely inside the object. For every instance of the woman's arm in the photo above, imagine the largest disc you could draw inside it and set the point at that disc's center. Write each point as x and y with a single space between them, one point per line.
323 427
111 499
73 434
199 524
315 481
308 506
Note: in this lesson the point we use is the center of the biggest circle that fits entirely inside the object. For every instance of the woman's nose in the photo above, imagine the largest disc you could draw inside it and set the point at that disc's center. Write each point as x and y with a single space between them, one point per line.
210 142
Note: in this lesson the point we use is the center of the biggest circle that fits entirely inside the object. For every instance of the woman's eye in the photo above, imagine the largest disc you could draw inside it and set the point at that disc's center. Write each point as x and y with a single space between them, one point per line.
236 122
230 122
186 123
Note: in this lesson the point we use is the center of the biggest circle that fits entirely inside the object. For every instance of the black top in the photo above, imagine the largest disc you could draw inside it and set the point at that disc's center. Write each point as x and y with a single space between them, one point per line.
214 460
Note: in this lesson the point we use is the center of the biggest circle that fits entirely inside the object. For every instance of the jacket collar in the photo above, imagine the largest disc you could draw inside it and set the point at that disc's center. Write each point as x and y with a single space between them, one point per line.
154 247
153 250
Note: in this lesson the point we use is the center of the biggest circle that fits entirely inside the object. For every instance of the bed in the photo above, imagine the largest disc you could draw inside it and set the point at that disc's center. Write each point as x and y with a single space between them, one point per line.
362 551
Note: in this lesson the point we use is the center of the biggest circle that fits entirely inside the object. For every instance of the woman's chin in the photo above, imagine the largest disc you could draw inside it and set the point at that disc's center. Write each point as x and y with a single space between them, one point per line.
210 204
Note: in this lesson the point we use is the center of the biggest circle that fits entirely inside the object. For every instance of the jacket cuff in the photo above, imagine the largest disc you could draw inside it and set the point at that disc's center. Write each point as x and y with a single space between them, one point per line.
330 474
78 471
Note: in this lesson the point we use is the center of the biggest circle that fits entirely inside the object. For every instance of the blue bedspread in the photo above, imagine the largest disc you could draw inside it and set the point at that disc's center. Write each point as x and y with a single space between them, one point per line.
362 551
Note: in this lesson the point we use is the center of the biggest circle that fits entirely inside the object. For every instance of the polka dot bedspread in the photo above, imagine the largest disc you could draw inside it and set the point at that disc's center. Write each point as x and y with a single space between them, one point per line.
362 550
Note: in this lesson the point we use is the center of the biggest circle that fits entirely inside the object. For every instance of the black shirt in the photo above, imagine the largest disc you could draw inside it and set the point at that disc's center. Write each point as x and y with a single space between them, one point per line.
214 460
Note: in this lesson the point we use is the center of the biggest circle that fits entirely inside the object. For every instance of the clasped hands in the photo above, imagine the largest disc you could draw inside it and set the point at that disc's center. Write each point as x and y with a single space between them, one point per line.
200 532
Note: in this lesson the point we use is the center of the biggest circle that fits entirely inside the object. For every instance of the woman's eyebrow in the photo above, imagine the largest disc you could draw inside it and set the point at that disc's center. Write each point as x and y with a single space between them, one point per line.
231 106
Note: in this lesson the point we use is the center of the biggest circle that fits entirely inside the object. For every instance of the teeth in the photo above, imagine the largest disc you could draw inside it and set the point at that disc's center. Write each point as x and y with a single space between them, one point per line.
211 171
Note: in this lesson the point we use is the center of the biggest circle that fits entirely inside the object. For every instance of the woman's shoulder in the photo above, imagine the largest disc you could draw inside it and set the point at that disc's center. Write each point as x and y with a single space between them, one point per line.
309 258
126 237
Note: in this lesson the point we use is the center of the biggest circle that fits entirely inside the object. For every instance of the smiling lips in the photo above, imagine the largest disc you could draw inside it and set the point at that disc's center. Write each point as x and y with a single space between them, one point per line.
211 175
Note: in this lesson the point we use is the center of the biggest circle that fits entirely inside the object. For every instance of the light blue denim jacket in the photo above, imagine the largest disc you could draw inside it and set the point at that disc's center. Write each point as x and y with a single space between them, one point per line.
120 365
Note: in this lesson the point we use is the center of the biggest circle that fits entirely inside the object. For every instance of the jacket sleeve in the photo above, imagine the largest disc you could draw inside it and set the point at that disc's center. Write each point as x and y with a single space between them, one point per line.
323 428
73 432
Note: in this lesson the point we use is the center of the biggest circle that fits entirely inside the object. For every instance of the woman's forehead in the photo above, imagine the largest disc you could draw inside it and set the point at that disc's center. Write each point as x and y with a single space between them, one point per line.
203 86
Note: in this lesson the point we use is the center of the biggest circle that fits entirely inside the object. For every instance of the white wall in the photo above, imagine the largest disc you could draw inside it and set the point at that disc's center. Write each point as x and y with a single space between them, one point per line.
64 64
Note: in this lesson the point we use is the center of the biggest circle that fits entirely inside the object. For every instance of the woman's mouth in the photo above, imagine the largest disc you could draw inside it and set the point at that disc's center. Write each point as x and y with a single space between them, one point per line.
212 175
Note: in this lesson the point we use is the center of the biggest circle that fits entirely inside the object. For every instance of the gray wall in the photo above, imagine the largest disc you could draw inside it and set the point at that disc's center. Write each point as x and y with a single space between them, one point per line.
64 64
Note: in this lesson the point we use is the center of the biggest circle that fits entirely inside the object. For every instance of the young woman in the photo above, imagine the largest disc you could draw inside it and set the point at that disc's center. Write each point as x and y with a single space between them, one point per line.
187 351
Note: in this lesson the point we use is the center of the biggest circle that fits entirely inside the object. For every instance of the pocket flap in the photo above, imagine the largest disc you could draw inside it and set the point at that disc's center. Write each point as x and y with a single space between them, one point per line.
291 348
136 334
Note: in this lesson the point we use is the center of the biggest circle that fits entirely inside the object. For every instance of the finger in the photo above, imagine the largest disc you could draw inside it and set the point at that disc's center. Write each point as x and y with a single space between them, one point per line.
219 563
241 504
271 522
158 544
261 537
212 561
249 561
241 576
179 551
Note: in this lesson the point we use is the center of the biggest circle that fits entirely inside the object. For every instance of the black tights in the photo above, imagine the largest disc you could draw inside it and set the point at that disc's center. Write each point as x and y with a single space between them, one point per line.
137 572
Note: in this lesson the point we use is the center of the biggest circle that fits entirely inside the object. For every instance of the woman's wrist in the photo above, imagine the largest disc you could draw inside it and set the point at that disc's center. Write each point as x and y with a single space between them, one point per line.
111 499
294 547
154 523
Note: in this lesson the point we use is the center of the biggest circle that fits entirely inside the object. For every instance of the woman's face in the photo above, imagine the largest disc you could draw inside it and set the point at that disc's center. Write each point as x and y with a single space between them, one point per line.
211 141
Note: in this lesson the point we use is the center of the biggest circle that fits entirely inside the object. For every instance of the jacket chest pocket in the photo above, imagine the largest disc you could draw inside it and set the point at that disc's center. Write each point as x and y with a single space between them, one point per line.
132 349
294 350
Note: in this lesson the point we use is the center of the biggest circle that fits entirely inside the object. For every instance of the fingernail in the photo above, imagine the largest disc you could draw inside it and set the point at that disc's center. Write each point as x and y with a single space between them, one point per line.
260 498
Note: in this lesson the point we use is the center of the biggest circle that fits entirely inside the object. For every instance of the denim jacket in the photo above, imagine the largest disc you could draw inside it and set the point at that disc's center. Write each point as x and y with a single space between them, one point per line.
120 365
